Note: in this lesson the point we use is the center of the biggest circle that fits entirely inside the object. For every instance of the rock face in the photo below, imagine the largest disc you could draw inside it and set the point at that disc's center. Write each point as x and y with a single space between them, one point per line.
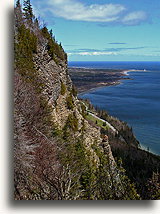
51 74
57 153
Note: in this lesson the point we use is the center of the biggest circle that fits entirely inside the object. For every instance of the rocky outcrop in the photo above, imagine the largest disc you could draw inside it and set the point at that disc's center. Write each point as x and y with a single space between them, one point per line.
57 153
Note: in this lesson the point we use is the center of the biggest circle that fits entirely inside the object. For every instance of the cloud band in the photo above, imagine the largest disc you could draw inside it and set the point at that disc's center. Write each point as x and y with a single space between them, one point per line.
102 13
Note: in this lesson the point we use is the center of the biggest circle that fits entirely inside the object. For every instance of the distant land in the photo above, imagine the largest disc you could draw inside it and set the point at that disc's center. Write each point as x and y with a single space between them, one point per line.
87 79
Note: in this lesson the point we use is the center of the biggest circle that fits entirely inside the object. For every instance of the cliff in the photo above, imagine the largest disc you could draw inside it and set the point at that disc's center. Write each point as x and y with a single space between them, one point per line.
58 155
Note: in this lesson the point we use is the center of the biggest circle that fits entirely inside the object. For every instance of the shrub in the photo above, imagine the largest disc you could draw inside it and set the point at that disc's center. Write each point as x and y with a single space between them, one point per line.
83 110
71 124
69 101
104 123
63 88
74 91
83 126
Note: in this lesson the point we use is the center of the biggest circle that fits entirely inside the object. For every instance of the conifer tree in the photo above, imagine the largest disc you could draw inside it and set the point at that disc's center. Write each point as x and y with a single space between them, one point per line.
28 11
51 33
18 3
18 14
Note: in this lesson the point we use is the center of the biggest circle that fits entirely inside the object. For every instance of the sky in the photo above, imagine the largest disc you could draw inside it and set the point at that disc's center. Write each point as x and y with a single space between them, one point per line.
104 30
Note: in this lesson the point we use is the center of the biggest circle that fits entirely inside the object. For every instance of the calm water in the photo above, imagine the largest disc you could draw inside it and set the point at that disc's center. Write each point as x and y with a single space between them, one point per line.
135 101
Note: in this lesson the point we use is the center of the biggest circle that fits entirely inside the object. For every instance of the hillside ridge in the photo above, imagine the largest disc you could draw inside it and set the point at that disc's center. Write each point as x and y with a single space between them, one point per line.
58 153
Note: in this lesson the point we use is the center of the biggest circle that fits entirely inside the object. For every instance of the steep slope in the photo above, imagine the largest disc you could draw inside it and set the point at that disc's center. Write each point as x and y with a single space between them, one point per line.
141 166
58 155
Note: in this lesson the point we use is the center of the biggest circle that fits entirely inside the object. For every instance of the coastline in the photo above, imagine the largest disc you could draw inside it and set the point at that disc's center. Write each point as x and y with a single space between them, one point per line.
124 73
89 79
127 73
142 147
98 87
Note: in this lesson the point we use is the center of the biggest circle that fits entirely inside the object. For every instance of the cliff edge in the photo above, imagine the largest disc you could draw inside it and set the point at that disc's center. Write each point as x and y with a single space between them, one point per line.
58 155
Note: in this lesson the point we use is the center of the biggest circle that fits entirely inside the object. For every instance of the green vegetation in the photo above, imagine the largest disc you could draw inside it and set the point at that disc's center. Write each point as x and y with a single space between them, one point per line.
69 100
70 126
104 124
97 121
72 122
63 164
153 187
74 91
55 50
75 157
83 110
89 181
63 88
25 47
110 187
48 126
28 11
27 43
140 167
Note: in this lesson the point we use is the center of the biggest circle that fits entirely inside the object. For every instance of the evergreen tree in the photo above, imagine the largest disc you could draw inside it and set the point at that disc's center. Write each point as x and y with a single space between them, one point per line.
18 14
153 187
51 33
18 3
36 23
28 11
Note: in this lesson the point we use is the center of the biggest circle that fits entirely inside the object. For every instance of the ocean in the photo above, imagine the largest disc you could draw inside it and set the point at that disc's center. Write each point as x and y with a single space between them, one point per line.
135 101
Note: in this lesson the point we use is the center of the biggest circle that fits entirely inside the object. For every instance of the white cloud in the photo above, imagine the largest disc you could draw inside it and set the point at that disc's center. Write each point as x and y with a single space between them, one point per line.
75 10
96 53
100 53
103 13
134 18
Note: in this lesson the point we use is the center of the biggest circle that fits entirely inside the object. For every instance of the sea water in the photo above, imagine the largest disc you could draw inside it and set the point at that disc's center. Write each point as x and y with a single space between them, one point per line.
135 101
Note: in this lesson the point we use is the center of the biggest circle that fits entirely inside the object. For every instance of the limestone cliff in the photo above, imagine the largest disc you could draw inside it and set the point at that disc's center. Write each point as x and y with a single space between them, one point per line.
57 153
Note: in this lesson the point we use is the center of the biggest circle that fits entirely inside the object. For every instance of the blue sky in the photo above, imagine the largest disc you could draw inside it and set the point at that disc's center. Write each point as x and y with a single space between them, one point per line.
104 30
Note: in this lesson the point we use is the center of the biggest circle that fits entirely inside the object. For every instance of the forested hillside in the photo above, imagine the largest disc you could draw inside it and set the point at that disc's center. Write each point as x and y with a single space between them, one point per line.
58 153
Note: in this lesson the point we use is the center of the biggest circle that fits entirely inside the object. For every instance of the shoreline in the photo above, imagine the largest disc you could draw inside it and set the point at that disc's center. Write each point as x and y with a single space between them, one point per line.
89 79
143 147
98 87
125 72
118 82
